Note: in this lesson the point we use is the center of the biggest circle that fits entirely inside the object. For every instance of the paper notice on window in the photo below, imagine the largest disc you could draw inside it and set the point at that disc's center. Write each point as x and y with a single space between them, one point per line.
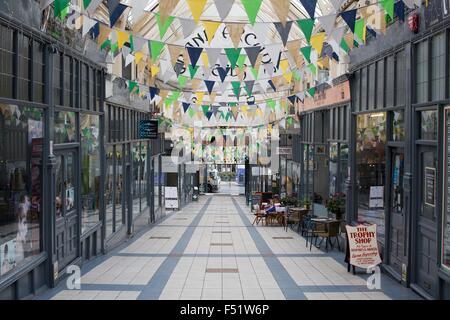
363 246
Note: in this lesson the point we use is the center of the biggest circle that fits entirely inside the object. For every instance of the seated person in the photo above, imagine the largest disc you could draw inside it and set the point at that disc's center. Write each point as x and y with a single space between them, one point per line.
270 208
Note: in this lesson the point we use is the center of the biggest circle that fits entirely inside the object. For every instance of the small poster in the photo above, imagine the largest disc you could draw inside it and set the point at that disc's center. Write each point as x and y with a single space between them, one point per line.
363 246
376 197
430 186
148 129
7 256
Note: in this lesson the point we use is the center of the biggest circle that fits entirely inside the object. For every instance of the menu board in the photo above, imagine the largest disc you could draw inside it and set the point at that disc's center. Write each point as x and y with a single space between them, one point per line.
430 186
363 245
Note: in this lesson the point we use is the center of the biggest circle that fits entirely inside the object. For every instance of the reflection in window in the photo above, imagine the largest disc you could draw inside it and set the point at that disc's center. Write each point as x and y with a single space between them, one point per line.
109 189
21 145
371 165
398 125
428 125
90 173
65 127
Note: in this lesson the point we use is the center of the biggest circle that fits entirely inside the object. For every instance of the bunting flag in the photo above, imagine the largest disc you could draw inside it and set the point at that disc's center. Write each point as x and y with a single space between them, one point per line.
336 4
249 87
233 56
182 81
115 11
252 54
281 8
163 25
213 54
283 31
235 30
399 9
260 30
360 29
310 7
166 8
192 70
187 25
61 8
223 7
388 5
194 54
222 73
211 28
196 7
312 92
306 51
122 37
317 42
252 8
306 26
137 9
155 49
349 18
236 88
209 85
88 23
327 22
153 92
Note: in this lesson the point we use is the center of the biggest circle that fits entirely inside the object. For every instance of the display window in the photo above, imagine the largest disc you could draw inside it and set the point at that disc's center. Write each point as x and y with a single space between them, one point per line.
371 167
90 170
21 148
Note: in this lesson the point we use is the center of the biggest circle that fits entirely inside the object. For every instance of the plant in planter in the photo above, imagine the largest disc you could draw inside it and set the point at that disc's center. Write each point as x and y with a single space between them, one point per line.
336 205
306 202
289 201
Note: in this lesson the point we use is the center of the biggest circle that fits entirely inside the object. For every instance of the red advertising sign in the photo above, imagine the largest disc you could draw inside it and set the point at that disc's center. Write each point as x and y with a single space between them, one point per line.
363 246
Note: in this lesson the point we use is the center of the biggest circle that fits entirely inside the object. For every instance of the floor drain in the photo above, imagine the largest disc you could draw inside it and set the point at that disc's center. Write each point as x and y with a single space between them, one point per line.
221 244
222 270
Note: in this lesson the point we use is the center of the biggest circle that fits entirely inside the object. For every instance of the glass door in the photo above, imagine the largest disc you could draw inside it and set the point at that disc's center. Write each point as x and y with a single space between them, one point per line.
66 211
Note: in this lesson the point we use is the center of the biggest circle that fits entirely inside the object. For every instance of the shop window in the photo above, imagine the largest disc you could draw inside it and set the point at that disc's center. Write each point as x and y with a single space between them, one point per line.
438 67
390 81
68 82
427 167
65 127
428 125
109 190
421 72
6 62
38 72
84 86
76 85
343 167
119 185
57 89
21 145
90 170
398 125
333 167
400 78
24 67
370 169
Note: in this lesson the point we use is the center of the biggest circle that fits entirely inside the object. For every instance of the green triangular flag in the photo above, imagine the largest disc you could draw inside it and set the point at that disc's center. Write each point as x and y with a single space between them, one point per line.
312 92
182 81
233 55
289 120
192 70
205 109
132 86
306 25
344 45
236 88
191 112
254 72
297 75
105 44
86 3
155 49
241 60
360 26
306 51
313 68
388 6
61 8
163 26
271 103
131 42
252 7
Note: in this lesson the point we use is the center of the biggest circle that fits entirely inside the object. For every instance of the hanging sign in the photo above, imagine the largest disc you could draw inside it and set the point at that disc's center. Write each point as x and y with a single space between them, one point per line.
363 246
430 186
148 129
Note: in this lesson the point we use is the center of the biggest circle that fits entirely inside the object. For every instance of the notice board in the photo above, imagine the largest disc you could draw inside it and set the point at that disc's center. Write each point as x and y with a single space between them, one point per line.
363 245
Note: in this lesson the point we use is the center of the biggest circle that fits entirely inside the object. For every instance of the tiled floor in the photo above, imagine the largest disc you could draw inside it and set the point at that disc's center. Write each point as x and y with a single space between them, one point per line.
210 250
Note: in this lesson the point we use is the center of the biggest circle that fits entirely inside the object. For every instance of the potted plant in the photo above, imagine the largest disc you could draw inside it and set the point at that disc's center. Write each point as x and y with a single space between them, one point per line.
336 205
306 203
289 201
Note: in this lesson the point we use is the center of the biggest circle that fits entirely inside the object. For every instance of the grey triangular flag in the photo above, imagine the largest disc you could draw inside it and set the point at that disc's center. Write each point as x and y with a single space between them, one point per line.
252 54
93 6
337 34
137 9
223 7
138 43
337 4
223 60
327 22
283 31
188 26
213 54
88 23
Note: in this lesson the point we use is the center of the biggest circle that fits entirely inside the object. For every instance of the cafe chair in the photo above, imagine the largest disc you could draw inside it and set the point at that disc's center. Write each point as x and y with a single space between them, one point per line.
259 214
332 231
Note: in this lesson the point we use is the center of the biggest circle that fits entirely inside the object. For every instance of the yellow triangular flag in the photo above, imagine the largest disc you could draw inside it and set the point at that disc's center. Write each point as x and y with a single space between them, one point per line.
138 56
122 37
317 42
154 70
284 65
211 28
200 96
204 58
196 7
288 77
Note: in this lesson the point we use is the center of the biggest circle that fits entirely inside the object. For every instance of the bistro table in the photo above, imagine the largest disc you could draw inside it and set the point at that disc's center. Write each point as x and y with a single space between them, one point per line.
299 213
325 222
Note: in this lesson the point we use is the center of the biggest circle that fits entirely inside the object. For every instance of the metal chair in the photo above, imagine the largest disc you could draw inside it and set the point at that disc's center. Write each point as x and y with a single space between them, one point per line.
332 231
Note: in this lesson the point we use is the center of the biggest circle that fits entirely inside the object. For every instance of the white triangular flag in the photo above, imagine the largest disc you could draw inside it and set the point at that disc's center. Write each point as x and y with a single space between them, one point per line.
88 23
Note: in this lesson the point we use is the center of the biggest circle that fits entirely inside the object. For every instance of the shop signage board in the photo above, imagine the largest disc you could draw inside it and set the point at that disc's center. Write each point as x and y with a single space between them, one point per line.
430 186
284 151
363 245
446 171
148 129
171 197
